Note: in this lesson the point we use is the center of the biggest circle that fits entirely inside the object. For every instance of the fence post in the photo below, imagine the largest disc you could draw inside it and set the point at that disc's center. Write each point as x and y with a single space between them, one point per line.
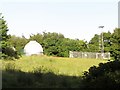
70 54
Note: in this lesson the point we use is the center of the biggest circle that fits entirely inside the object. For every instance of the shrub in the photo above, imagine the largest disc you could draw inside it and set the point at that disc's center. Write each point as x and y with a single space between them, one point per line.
104 76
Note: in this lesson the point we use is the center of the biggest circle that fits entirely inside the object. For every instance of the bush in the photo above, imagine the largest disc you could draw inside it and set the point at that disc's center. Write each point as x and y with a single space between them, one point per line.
9 54
104 76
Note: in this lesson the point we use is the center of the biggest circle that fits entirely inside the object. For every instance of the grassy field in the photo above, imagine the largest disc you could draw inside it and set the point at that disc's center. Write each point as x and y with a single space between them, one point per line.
57 65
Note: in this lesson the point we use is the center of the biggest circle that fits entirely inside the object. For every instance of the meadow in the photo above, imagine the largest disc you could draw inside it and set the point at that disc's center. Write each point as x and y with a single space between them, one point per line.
57 65
45 71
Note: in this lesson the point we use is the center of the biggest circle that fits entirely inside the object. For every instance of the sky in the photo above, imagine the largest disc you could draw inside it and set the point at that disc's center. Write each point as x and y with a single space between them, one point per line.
75 19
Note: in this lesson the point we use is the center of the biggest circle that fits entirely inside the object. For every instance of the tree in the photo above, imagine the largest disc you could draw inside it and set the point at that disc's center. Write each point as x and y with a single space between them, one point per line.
18 43
52 42
56 44
103 76
111 43
7 51
38 37
107 41
94 44
115 44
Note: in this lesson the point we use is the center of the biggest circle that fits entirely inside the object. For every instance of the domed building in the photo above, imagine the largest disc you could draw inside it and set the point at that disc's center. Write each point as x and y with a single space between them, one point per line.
33 48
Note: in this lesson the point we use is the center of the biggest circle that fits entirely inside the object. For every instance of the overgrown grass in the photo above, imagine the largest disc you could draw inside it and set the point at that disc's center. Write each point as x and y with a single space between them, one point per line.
57 65
18 79
45 72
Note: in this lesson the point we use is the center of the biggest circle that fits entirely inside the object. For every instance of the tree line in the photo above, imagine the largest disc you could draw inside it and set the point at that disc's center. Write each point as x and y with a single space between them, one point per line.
56 44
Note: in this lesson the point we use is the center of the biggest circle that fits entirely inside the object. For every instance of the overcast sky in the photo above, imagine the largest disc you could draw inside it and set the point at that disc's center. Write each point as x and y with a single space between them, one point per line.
73 18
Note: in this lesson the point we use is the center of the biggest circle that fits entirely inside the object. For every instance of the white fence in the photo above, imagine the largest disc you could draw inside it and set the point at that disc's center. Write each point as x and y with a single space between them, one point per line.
75 54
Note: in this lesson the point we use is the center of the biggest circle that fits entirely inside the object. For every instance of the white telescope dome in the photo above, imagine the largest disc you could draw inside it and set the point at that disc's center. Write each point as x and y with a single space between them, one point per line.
33 47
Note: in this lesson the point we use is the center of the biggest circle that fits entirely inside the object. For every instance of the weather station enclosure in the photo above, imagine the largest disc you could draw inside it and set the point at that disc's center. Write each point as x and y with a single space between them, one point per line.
94 55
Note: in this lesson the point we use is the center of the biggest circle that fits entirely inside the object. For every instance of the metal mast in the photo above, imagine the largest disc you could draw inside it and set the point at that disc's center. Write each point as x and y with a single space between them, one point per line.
101 43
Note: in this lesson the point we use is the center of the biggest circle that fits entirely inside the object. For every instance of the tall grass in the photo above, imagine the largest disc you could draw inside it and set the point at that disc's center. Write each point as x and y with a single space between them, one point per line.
45 72
57 65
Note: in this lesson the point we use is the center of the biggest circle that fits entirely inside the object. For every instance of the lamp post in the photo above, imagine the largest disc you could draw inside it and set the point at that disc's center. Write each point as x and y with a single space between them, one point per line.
101 42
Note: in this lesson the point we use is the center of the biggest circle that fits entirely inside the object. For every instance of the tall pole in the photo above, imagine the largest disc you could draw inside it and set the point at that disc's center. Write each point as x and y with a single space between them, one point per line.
102 51
101 42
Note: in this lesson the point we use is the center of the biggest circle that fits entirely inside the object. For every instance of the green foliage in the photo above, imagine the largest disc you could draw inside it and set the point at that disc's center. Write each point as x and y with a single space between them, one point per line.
38 37
104 76
94 44
111 43
51 43
56 44
115 44
107 41
7 52
18 43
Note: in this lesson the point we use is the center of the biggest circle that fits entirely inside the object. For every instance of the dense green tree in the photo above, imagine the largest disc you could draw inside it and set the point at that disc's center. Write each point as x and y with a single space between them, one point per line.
111 43
56 44
51 43
18 43
106 75
107 41
6 49
37 37
94 44
115 44
103 76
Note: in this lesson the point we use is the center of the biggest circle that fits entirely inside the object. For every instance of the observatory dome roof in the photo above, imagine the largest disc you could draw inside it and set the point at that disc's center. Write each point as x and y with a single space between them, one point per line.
33 47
